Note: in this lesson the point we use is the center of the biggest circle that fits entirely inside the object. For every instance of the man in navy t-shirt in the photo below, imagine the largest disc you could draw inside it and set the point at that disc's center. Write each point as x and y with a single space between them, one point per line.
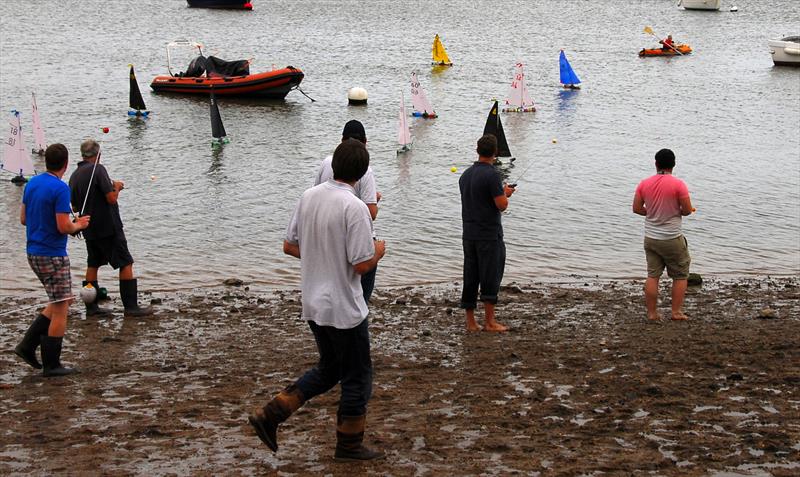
45 213
483 197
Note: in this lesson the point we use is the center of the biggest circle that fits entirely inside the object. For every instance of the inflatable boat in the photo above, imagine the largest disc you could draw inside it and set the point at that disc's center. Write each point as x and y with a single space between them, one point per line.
229 4
226 78
684 49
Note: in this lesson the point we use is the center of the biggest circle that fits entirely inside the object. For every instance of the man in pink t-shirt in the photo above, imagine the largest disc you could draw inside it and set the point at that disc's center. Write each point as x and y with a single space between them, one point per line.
664 199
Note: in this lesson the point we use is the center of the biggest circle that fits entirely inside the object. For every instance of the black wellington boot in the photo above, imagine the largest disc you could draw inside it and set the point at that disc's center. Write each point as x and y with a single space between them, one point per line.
51 357
350 439
266 420
129 291
26 349
92 309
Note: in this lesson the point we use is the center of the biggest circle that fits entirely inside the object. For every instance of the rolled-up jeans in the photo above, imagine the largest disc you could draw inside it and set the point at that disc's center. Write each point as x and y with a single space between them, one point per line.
484 264
344 357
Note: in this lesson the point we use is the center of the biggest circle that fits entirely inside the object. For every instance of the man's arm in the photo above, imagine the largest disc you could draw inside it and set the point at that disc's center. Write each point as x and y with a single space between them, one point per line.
373 210
638 205
501 201
686 205
67 227
292 249
367 265
22 214
113 195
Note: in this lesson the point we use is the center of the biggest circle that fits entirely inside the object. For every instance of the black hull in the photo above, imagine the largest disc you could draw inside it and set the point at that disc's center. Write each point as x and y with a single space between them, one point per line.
230 4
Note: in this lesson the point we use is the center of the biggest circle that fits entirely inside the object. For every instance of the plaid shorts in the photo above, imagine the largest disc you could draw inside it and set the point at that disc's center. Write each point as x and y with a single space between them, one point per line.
54 274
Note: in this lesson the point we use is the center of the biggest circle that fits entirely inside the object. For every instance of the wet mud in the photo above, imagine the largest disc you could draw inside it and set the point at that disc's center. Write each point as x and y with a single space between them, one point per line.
582 384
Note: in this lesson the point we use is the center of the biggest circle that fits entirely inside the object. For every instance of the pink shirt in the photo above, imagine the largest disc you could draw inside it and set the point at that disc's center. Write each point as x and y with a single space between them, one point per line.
661 194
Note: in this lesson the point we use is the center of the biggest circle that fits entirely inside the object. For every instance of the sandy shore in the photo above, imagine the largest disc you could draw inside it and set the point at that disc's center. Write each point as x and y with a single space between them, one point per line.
581 384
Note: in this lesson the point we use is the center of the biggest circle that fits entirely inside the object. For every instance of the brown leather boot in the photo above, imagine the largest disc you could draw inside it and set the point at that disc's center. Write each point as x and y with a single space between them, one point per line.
266 420
350 440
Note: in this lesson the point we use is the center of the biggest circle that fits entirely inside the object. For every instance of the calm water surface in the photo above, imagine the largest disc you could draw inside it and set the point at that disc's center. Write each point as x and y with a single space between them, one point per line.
732 119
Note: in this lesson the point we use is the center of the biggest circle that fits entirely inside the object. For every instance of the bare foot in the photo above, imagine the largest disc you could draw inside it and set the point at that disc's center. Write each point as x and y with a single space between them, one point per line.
654 316
473 326
679 316
494 326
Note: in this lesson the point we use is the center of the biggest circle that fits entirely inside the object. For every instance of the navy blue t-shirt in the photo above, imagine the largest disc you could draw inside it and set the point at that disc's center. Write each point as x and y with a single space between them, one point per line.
480 217
44 197
106 220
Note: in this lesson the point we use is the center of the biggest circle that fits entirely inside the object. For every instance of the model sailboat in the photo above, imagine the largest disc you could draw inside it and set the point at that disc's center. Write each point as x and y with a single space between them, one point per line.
16 159
135 100
495 127
439 54
568 77
217 128
39 145
519 100
403 133
422 107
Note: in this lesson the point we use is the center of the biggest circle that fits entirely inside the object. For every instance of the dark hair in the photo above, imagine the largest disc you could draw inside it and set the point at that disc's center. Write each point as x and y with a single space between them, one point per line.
487 145
354 129
350 161
56 157
665 159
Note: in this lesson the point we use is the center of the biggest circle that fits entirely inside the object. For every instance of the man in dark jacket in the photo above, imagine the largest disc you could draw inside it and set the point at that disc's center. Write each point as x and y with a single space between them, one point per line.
105 239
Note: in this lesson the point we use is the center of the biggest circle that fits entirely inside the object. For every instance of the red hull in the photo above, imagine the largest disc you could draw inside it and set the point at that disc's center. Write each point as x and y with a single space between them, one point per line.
272 84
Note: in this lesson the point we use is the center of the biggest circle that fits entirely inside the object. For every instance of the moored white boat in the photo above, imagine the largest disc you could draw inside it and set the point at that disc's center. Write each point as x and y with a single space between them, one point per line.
786 51
700 4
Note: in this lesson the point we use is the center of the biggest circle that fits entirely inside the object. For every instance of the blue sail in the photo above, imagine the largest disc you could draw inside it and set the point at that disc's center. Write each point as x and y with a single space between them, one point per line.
567 75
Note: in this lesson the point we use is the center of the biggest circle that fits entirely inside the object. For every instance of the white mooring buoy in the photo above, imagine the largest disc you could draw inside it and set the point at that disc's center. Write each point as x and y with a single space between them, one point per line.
357 96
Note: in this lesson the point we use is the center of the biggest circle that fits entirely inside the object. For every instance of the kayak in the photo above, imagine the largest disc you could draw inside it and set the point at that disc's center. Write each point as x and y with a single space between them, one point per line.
684 49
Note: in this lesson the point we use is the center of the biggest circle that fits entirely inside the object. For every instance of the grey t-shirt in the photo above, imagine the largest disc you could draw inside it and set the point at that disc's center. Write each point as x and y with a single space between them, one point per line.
365 188
334 231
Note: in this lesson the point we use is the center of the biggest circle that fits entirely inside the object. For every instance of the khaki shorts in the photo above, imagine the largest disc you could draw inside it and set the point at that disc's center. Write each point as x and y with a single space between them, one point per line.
672 254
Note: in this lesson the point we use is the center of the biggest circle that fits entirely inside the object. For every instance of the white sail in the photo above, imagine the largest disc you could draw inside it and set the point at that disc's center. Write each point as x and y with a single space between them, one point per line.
518 97
418 99
15 158
403 133
38 134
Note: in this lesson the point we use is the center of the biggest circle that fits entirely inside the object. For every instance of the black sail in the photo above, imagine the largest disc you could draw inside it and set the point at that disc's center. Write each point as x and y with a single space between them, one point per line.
495 127
136 101
217 129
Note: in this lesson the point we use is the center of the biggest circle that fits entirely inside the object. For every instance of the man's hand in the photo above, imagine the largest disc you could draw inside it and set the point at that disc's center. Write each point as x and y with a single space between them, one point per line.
509 189
378 196
81 222
380 248
119 185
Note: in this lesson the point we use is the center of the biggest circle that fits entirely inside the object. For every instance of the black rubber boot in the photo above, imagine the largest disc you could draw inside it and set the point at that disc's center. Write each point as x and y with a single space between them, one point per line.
350 439
266 420
51 357
92 309
26 349
129 291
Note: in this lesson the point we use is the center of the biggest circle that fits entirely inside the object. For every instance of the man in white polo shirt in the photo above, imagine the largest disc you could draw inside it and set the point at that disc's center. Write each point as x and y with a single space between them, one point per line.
365 189
331 233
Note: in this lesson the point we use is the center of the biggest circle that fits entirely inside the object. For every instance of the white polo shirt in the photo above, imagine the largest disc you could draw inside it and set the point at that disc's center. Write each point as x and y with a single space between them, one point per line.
365 188
334 231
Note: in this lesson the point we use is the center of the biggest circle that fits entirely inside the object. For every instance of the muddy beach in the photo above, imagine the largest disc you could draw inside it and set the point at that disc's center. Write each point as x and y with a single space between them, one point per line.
582 384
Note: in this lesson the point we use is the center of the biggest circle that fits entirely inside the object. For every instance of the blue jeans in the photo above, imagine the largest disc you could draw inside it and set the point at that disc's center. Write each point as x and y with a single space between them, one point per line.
343 358
484 264
368 283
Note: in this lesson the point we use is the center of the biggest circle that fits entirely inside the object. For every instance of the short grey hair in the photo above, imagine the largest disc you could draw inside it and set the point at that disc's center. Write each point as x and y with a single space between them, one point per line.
90 148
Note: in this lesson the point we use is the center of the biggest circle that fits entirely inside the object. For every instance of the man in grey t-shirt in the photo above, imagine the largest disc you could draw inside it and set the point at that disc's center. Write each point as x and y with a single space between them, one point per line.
365 189
331 233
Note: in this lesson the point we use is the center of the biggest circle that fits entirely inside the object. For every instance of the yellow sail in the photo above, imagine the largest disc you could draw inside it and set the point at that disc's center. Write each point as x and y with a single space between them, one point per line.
439 53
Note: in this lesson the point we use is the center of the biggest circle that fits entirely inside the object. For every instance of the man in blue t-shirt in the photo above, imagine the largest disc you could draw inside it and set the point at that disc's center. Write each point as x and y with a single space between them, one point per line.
45 213
483 197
